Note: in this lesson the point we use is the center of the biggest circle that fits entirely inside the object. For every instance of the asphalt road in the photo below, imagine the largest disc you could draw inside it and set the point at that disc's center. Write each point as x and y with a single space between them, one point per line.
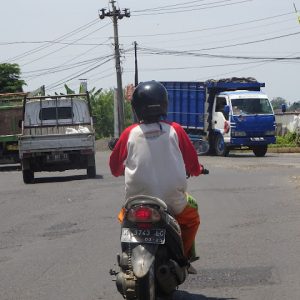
59 237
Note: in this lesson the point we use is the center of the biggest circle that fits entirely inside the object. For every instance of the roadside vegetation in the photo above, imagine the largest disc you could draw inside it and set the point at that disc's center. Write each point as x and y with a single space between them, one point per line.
291 139
103 110
10 81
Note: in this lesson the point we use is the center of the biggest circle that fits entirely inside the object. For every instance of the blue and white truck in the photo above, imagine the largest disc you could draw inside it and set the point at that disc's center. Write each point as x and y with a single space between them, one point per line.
223 115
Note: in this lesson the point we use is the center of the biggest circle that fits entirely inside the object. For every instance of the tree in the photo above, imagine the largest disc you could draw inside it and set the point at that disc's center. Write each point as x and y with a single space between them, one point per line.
10 81
295 106
103 112
277 102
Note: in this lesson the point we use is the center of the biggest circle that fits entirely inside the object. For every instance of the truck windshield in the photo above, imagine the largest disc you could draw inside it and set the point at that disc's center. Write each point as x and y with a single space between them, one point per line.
251 106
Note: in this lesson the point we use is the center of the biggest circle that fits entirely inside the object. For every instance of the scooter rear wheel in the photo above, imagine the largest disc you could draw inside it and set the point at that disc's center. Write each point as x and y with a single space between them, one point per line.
145 288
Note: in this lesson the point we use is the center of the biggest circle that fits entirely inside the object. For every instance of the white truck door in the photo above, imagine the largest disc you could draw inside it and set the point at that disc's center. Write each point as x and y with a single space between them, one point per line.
219 120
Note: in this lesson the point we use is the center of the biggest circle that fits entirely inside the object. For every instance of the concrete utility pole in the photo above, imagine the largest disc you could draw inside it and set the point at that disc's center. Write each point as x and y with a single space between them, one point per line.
136 73
83 85
116 14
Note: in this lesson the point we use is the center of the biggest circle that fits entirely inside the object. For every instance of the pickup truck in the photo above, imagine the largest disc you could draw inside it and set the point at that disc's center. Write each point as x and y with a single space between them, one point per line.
57 135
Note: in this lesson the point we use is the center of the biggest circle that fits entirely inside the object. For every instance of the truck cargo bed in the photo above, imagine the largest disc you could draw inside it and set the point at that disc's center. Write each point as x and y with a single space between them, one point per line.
55 142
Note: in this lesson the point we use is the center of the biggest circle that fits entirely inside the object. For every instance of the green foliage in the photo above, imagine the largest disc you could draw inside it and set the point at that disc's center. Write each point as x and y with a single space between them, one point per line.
288 140
128 114
102 103
68 90
277 102
294 106
103 111
10 81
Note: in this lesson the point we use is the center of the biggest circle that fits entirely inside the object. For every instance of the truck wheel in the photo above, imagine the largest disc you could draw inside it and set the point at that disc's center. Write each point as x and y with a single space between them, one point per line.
28 176
260 151
220 147
91 171
201 147
91 166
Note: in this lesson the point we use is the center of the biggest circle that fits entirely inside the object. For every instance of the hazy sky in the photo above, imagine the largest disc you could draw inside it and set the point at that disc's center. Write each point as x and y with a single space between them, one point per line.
58 41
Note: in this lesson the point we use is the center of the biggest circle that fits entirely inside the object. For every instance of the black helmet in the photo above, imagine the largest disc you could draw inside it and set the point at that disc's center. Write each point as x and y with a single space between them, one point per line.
150 101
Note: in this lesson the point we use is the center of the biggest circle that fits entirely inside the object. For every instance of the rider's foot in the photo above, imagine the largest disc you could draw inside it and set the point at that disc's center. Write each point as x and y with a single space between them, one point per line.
194 258
191 270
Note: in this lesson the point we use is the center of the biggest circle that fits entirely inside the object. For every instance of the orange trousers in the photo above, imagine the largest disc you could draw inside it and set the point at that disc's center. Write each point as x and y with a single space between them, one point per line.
188 220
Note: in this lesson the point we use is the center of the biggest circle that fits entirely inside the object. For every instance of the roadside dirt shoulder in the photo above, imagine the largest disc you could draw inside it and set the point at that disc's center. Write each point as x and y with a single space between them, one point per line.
284 150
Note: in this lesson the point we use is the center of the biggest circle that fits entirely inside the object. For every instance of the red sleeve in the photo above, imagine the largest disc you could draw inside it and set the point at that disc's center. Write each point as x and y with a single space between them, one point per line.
188 151
119 154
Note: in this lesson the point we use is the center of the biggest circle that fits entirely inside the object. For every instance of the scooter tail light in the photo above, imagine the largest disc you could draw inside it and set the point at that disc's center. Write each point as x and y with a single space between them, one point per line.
143 214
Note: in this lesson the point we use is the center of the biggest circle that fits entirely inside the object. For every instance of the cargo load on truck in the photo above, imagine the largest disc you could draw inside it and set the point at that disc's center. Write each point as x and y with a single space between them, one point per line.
11 111
57 135
222 115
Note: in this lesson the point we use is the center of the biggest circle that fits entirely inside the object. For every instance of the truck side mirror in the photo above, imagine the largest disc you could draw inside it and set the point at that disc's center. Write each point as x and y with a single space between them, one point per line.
283 108
20 124
226 111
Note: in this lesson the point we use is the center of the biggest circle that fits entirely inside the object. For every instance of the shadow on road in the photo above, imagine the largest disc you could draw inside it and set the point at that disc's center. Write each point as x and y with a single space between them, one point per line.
182 295
65 178
10 168
247 155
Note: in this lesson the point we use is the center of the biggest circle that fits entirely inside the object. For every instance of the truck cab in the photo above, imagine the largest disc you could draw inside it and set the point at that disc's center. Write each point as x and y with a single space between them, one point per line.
242 119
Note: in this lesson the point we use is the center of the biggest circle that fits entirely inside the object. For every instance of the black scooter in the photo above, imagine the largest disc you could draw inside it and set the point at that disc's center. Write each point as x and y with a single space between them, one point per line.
152 263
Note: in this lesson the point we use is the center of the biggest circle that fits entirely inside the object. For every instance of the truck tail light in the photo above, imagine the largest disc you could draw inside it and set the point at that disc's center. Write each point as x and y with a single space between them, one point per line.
86 151
226 127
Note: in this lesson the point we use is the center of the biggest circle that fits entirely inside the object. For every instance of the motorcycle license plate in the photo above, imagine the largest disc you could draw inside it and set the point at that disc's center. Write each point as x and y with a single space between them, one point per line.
148 236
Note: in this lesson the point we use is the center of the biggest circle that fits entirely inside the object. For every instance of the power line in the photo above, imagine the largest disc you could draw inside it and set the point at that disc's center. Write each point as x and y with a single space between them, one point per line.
61 48
168 6
155 51
178 9
32 51
64 66
200 67
50 42
82 72
254 42
67 79
231 45
61 68
193 9
209 28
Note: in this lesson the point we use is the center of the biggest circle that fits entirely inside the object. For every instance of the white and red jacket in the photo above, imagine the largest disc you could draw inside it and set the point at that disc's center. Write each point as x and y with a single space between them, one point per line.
155 159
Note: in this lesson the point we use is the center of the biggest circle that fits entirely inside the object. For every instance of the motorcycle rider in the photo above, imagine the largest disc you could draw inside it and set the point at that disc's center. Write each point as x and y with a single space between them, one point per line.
156 156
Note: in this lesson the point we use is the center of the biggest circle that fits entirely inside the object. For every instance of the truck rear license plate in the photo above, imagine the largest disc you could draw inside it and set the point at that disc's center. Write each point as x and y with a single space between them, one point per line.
148 236
57 157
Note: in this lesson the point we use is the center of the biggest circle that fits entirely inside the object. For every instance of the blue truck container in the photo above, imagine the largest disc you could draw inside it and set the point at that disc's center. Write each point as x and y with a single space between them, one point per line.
223 115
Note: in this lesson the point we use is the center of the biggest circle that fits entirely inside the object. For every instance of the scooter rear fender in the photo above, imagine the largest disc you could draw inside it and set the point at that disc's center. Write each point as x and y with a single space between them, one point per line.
142 257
